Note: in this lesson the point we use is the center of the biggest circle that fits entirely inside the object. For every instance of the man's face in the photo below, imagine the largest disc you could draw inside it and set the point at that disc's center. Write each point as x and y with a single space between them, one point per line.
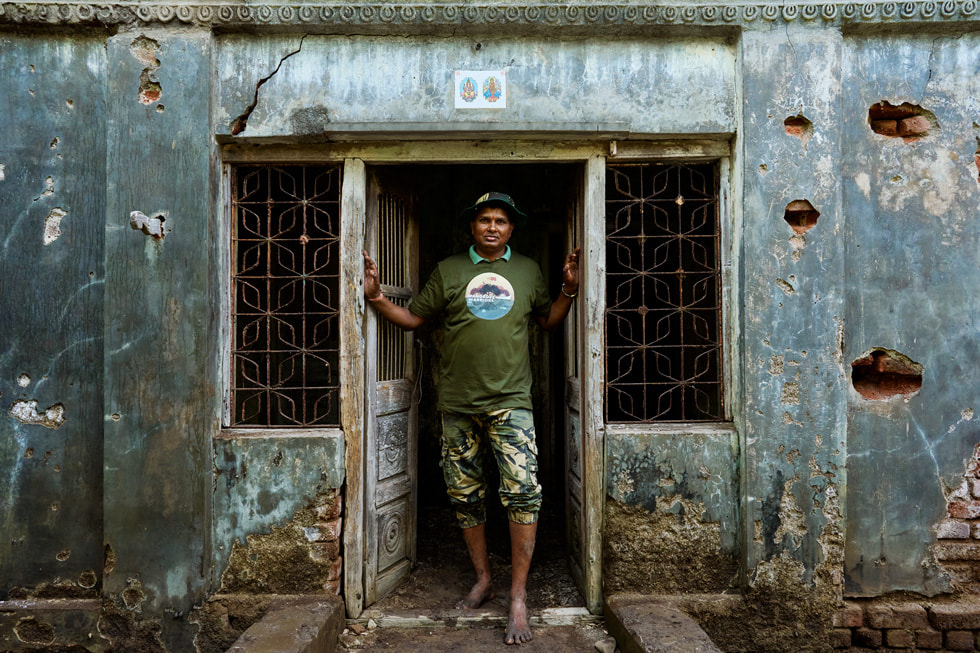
491 228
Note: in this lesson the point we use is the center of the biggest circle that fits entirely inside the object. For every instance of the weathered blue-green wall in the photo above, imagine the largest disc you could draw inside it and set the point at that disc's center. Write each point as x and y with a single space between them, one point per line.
811 482
262 482
161 351
681 86
52 216
911 244
792 408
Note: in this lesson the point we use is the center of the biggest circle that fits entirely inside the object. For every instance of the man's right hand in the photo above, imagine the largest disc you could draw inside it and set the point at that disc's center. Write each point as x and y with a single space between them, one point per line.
397 315
372 282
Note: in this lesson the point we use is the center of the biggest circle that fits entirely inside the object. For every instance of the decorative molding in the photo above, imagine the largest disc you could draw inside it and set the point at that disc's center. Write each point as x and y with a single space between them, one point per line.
424 16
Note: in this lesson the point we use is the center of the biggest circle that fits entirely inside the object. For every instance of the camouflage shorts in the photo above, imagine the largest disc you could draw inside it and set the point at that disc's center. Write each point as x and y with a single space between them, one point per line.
466 441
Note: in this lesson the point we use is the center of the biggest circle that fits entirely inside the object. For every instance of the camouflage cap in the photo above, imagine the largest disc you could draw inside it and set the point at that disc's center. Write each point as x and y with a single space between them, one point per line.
503 200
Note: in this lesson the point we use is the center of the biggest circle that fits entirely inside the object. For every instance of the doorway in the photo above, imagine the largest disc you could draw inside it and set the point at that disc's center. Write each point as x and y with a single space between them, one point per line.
436 194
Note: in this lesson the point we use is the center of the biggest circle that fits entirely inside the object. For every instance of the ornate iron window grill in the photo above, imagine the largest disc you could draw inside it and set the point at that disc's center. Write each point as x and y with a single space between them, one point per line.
285 257
663 293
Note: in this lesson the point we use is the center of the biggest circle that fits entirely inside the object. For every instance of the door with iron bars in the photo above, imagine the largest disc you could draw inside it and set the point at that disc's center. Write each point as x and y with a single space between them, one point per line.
390 451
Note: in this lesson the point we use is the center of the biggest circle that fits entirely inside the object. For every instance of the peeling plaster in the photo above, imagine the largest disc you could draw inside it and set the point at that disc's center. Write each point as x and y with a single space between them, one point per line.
48 188
145 51
52 225
25 411
150 226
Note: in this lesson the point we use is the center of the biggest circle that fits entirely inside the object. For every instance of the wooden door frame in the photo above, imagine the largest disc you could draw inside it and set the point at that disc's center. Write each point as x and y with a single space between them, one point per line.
593 155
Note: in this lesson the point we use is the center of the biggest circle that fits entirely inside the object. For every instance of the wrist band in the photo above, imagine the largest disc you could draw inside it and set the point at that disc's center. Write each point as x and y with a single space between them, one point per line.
380 296
573 296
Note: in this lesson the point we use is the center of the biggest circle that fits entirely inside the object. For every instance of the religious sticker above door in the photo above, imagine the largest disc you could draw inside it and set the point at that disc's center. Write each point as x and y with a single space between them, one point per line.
480 89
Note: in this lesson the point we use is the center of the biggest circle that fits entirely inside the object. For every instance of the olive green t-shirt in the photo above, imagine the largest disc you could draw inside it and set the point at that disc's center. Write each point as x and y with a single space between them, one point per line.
485 364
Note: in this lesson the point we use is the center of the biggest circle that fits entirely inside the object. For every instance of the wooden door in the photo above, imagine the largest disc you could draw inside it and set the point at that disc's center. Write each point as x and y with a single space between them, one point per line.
583 414
390 484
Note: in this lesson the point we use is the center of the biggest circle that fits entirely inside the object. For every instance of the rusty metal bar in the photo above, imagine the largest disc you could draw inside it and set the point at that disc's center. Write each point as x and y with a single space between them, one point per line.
663 293
285 241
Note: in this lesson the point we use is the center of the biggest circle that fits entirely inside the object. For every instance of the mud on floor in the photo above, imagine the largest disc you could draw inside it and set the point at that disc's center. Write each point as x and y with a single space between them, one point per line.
444 574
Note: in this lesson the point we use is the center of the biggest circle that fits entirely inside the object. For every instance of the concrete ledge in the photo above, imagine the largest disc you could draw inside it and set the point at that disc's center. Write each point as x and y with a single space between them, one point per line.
51 624
654 624
298 626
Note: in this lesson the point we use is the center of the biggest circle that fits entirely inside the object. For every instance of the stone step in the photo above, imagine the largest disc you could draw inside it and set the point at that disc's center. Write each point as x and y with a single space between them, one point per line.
655 624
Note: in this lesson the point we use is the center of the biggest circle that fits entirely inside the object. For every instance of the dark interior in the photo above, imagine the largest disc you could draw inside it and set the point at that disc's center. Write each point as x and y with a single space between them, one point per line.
545 192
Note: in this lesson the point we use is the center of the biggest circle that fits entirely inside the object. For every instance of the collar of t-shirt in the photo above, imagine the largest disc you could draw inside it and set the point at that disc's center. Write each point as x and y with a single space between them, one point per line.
476 258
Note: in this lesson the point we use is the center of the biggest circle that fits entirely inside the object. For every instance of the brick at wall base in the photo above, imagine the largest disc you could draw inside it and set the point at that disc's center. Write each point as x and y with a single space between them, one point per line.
899 638
961 615
929 639
840 638
867 637
900 615
959 640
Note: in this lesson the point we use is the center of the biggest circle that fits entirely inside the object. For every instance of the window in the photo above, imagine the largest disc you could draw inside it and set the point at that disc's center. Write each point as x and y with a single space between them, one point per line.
285 267
663 293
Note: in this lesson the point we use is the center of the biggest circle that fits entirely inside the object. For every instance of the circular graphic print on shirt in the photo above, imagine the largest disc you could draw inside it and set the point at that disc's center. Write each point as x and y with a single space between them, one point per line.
489 296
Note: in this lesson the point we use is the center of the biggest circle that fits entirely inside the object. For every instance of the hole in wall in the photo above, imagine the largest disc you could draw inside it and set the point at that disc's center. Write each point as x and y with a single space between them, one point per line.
976 160
910 122
799 126
145 51
880 374
801 216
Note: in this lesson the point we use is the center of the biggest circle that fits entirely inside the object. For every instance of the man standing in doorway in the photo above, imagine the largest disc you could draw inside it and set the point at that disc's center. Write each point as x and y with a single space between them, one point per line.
486 296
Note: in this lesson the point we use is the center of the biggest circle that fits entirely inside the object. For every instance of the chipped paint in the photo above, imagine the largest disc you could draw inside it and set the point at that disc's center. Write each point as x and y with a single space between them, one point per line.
25 411
152 227
52 225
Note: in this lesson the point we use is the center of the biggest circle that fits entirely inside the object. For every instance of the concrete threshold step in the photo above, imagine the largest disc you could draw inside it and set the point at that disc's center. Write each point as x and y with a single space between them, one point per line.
554 630
467 618
660 624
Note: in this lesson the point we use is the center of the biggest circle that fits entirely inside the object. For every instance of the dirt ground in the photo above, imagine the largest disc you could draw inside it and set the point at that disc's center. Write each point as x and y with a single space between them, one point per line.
444 574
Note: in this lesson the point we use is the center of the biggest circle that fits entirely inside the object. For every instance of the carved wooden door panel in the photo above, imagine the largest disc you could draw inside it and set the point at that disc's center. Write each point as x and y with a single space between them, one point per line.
390 484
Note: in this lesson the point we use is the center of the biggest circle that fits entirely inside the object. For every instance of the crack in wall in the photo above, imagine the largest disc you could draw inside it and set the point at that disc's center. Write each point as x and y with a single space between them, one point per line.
238 124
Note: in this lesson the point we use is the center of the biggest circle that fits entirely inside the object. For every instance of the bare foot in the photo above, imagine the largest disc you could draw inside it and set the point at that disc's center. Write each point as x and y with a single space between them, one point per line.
480 594
518 628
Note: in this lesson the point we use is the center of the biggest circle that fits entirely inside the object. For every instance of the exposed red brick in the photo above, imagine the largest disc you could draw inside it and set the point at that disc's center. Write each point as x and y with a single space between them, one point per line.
899 638
959 640
957 551
867 637
882 373
331 507
325 551
964 509
850 616
962 615
801 216
973 467
904 615
332 586
960 572
953 530
885 127
975 488
929 639
885 110
840 638
914 127
329 531
335 569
